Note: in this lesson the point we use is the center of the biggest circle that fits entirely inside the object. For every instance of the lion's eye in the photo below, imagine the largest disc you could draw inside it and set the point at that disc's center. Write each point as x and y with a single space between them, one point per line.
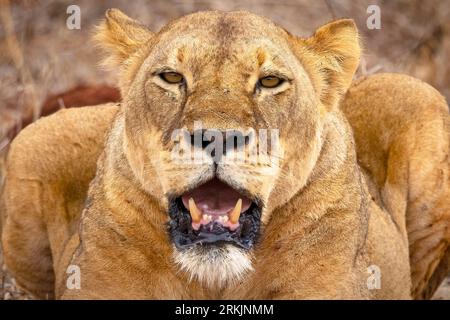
171 77
270 82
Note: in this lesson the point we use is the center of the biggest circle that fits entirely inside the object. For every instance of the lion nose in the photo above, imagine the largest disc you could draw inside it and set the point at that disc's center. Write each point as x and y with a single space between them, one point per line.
226 140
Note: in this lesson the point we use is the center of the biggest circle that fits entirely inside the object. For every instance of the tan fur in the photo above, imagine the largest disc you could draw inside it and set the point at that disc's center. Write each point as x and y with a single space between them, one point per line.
327 217
402 128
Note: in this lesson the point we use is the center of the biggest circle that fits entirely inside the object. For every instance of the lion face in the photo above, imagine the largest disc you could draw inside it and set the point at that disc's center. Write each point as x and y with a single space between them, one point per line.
223 123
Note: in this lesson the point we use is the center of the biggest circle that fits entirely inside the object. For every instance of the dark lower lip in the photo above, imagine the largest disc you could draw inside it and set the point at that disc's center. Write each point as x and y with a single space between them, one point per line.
184 236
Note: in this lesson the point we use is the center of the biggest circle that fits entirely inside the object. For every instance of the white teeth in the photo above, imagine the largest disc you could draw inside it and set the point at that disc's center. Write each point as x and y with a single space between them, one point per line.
194 211
197 215
207 217
236 213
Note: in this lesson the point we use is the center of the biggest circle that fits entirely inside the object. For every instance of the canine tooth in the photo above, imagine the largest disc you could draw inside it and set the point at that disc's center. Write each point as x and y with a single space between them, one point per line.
195 212
225 219
235 214
205 217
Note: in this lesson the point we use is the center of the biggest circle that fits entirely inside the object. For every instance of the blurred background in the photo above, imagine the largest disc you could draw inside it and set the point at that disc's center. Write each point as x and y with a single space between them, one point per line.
40 58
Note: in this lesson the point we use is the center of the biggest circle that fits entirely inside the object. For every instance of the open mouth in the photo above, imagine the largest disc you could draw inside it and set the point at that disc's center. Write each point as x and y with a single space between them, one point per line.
214 213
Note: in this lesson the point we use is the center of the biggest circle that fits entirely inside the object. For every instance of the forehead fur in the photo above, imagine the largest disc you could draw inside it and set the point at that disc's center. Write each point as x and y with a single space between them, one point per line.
224 26
220 37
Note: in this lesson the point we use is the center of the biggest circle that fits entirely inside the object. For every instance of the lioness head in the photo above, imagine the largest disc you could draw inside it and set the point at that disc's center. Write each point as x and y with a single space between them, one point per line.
223 123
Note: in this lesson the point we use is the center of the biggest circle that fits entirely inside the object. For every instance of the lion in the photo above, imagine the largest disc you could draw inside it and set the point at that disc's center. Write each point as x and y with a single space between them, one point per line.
349 201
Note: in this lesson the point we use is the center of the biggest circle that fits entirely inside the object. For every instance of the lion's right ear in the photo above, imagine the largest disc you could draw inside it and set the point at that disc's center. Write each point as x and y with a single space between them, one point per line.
121 37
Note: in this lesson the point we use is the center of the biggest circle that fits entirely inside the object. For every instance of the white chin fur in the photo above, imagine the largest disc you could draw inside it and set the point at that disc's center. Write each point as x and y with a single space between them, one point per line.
215 267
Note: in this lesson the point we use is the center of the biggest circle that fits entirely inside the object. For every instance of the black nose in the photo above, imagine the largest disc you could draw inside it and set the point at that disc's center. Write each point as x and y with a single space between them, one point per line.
228 140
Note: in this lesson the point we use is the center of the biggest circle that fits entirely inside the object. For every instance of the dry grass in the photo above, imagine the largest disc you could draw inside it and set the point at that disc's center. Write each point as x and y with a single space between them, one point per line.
40 56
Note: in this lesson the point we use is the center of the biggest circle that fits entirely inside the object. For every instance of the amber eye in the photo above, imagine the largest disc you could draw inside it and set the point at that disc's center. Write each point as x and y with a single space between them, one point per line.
270 82
171 77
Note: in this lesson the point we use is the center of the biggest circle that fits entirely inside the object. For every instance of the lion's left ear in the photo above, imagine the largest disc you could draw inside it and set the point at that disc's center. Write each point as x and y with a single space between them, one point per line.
333 53
120 36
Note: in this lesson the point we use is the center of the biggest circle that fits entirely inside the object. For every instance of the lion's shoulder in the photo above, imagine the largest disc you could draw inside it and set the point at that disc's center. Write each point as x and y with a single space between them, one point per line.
54 144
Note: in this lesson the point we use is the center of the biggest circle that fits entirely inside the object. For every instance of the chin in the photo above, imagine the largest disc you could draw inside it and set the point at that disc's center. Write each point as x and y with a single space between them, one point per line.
214 265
